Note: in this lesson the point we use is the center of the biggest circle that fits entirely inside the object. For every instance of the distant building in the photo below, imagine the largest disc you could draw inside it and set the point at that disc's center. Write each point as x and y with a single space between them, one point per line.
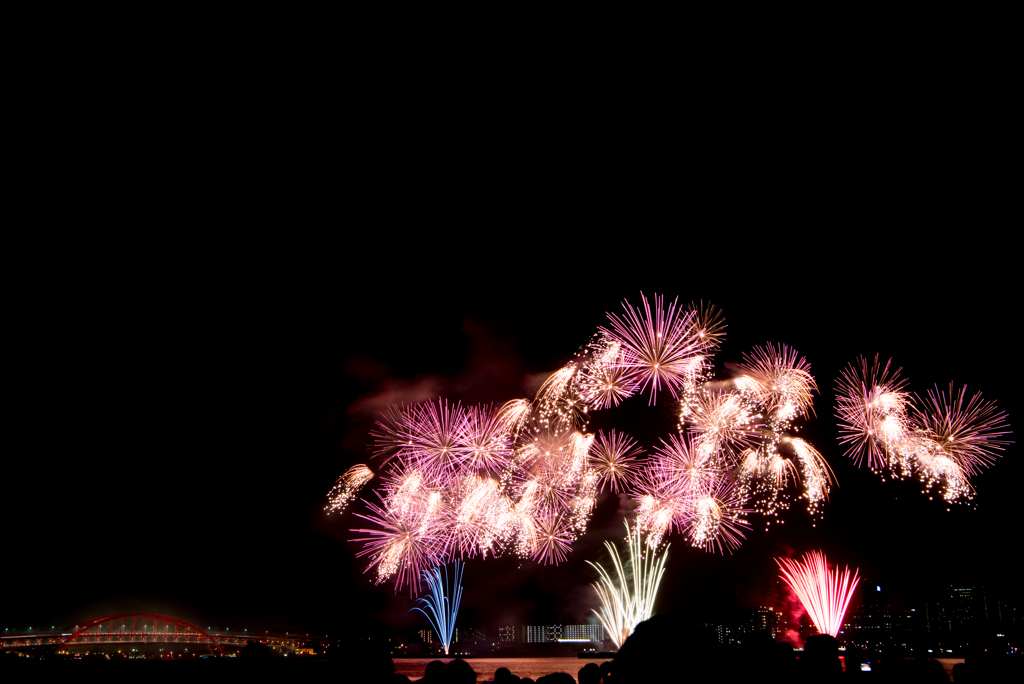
469 635
967 609
762 619
427 635
542 634
546 634
507 633
935 621
582 633
766 619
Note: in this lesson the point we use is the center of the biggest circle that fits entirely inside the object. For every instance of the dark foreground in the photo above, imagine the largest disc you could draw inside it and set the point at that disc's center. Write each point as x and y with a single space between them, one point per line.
734 666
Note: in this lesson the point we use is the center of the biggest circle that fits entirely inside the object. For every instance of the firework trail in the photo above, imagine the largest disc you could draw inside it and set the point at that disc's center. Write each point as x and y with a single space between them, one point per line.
627 599
943 439
347 487
442 608
824 593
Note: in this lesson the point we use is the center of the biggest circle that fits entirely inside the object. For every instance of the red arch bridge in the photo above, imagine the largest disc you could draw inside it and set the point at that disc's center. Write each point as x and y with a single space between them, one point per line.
150 628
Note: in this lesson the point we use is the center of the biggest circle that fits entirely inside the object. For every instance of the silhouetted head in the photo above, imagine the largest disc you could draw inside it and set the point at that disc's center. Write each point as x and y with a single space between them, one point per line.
501 675
460 672
435 671
557 678
821 656
589 674
642 658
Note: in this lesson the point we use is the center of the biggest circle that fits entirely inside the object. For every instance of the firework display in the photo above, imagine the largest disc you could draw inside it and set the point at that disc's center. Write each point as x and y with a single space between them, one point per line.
824 593
442 602
456 482
627 599
942 439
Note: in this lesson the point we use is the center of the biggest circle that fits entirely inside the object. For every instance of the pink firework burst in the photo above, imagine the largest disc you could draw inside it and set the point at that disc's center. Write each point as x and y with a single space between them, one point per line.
604 381
657 347
513 415
780 380
723 423
716 517
708 324
553 541
485 441
823 592
872 410
663 500
614 458
402 546
434 434
680 462
969 431
481 520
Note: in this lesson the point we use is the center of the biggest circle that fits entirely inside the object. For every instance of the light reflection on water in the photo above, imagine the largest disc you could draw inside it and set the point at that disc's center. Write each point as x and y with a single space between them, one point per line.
537 667
484 667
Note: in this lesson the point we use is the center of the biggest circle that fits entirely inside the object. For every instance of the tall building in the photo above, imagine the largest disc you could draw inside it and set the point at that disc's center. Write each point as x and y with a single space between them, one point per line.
767 620
507 633
967 609
935 621
427 635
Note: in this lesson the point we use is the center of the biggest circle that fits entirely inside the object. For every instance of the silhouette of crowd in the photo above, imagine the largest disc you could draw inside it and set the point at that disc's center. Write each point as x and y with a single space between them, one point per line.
663 650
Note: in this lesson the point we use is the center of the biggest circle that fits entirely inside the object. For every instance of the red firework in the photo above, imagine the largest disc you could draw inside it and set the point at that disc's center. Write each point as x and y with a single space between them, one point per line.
824 593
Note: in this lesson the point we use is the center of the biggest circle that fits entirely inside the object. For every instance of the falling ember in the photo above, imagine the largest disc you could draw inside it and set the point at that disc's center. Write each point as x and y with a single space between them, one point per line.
347 487
814 469
823 592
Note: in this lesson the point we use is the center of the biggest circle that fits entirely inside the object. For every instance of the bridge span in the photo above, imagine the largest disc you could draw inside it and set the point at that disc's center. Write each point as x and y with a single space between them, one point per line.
149 628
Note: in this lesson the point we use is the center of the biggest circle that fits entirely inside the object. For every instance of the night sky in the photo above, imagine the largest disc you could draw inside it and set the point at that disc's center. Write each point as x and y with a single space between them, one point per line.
177 422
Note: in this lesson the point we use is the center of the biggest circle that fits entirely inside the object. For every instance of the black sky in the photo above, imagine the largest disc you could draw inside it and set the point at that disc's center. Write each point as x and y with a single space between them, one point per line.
176 422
